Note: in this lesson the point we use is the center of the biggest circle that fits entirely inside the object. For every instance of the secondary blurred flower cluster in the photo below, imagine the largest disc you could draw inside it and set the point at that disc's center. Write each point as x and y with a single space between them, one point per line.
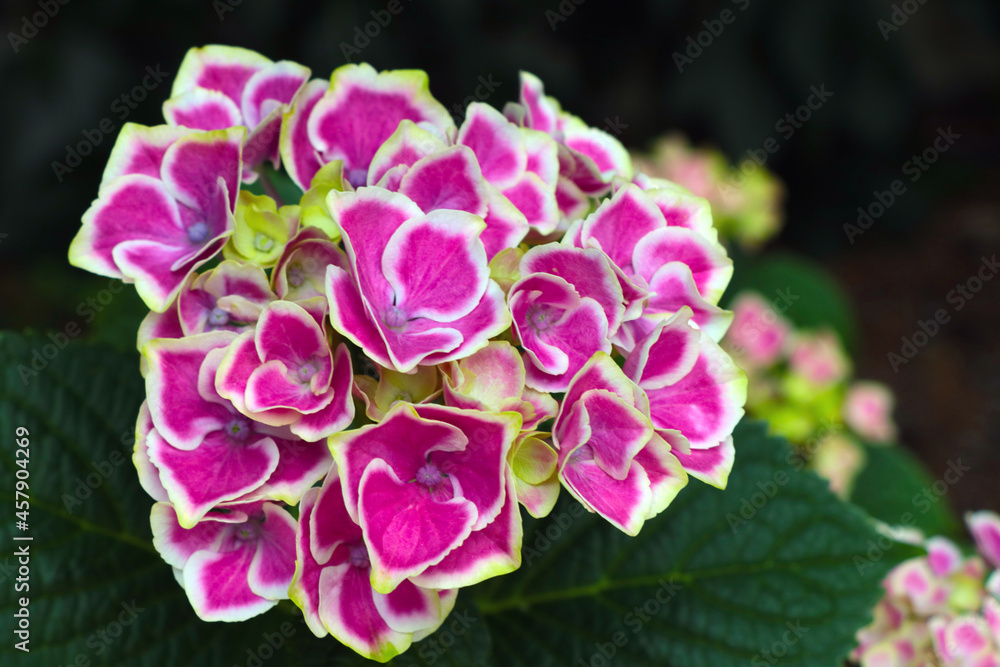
746 198
942 609
801 383
350 395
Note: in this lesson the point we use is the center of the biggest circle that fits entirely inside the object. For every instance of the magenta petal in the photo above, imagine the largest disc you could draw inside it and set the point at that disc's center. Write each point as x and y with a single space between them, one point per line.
331 526
486 553
411 437
620 223
705 404
673 287
541 112
625 503
447 180
665 355
406 531
304 590
286 332
339 412
436 266
667 475
348 611
273 565
589 272
181 415
488 319
349 318
196 164
581 333
217 586
218 470
140 150
496 143
409 608
506 226
300 465
177 544
536 200
363 108
272 86
407 145
297 153
985 529
202 109
709 265
617 431
133 207
482 483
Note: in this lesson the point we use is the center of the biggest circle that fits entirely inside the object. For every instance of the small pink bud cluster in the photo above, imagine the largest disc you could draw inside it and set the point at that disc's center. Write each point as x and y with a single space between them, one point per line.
942 609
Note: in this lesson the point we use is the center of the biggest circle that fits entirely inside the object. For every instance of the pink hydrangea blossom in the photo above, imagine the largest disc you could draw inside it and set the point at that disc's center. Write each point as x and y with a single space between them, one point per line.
165 207
432 492
333 585
218 87
284 373
418 291
235 563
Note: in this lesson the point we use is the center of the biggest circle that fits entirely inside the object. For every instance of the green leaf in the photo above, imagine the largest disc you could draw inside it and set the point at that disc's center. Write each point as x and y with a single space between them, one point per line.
896 488
714 582
816 300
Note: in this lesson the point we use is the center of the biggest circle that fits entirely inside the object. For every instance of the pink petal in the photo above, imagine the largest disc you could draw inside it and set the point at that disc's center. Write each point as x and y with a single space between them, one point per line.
217 586
482 483
220 469
436 266
363 108
625 503
666 355
708 262
403 440
620 223
587 270
711 465
706 404
447 180
202 109
273 565
407 145
536 200
297 153
181 415
496 143
405 530
985 529
177 544
493 551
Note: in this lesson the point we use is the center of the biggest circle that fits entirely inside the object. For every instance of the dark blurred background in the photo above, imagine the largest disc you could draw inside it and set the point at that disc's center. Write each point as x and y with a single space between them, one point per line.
894 85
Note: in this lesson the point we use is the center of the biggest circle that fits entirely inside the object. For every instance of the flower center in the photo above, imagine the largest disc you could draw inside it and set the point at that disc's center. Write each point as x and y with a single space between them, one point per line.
541 317
218 317
306 372
429 475
238 429
249 530
394 317
198 232
357 177
359 556
295 276
263 242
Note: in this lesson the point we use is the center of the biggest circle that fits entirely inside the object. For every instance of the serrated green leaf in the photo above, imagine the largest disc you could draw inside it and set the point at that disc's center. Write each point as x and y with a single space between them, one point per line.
692 590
